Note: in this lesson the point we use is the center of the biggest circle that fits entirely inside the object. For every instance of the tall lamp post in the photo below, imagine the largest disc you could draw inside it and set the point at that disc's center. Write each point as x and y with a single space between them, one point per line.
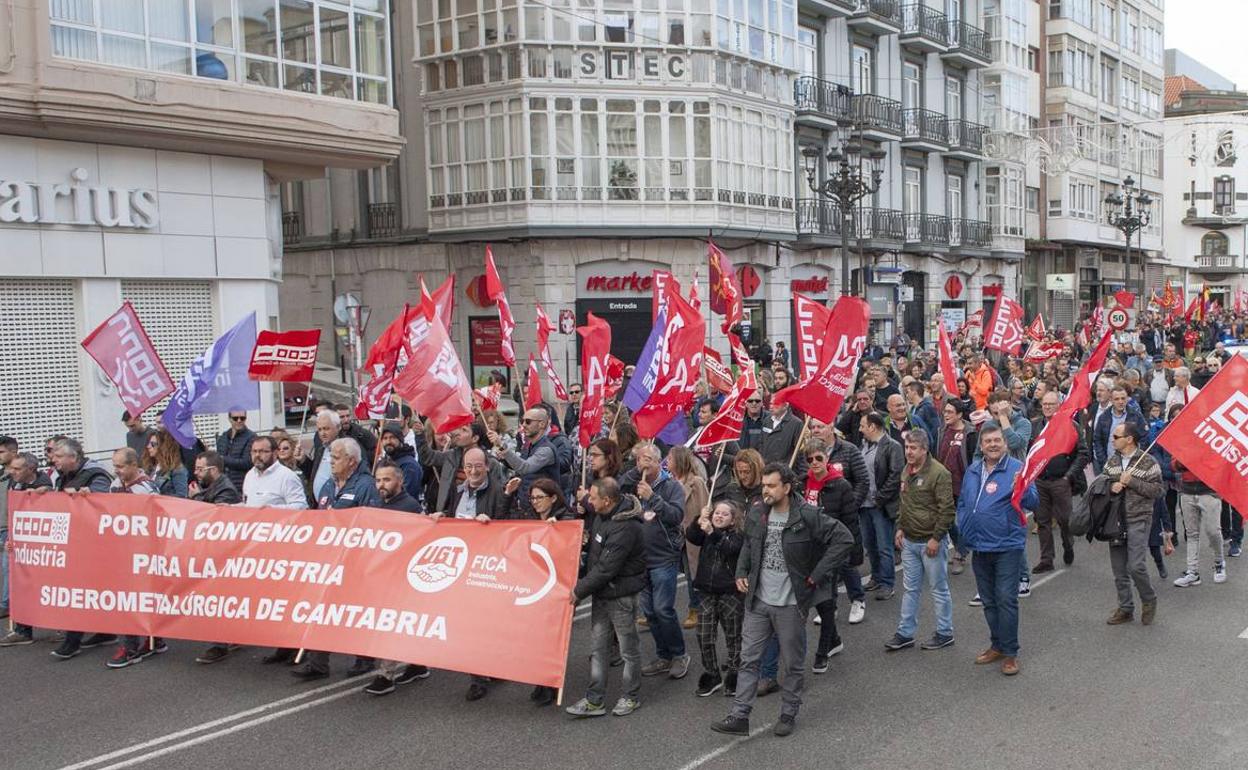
1128 213
847 184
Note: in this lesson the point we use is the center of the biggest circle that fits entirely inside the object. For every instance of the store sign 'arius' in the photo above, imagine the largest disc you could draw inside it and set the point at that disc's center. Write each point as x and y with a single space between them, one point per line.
77 203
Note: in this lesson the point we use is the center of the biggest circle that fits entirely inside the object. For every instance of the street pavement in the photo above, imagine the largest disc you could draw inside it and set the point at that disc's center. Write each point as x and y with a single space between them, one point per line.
1089 696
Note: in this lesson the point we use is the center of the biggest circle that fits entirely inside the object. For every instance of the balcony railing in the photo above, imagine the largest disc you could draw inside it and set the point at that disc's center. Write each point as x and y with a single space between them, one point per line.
823 97
926 228
1217 261
876 112
383 219
888 11
292 227
966 136
969 39
816 216
918 20
970 233
924 125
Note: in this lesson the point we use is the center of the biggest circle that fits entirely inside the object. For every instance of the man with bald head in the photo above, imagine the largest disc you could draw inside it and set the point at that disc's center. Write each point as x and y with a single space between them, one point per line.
1061 478
480 496
536 459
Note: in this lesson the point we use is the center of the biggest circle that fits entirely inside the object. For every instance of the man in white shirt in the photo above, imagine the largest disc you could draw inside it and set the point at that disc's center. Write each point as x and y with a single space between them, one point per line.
1183 391
269 483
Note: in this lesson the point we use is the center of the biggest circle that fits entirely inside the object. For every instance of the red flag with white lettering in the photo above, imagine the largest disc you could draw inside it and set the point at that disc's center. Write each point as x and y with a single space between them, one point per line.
717 375
947 369
433 380
595 349
488 396
1039 352
1057 438
122 349
679 357
1210 435
533 389
1005 330
740 356
725 294
1036 330
822 394
374 396
544 327
727 422
284 356
495 293
660 279
812 320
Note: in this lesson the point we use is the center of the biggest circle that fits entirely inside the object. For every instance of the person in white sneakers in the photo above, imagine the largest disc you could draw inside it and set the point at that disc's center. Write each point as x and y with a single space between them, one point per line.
1202 514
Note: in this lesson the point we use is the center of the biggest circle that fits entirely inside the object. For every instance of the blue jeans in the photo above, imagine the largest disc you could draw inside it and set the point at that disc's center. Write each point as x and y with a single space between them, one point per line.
996 577
658 604
4 570
919 569
853 583
877 541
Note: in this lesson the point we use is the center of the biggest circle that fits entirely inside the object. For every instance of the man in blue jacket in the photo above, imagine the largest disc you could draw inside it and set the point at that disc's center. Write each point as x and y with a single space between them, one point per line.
998 535
923 412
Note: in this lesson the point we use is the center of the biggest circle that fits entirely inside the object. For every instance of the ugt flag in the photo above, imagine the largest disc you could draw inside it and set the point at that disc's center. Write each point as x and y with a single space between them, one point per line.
1210 434
124 352
201 381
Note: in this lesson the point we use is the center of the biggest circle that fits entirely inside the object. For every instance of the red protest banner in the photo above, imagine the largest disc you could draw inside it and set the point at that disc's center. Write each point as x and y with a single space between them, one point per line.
1210 434
726 424
487 599
811 321
284 356
947 370
822 394
595 352
1005 330
122 349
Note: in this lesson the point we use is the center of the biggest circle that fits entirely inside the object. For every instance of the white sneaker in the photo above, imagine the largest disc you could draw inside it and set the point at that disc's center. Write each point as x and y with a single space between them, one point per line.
818 619
1219 572
976 601
857 611
1190 578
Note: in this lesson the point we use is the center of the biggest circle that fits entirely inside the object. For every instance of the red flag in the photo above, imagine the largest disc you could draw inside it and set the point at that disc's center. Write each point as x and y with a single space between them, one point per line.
533 390
1193 309
947 369
488 396
615 376
495 293
1210 435
717 375
1005 330
374 396
740 356
694 299
284 356
678 364
1039 352
822 394
1124 298
1057 438
434 380
441 302
660 280
544 328
389 344
726 425
595 350
1081 386
123 350
973 321
811 321
726 297
1035 330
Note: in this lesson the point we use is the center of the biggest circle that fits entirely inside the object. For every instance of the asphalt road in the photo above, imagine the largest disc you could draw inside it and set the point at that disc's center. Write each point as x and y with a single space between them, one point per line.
1090 695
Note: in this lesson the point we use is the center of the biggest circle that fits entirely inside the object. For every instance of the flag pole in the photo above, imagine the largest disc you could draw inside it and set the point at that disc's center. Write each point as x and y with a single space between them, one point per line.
307 398
715 476
800 438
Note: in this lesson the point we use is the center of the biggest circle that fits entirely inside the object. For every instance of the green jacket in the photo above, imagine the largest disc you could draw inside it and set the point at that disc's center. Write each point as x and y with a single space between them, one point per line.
927 506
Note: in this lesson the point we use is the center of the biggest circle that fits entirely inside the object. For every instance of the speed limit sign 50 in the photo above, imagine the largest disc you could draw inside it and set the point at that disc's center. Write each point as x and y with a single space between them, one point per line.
1118 319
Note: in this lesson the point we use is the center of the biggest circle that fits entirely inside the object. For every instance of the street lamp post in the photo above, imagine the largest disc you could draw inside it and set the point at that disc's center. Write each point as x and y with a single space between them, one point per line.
1128 213
847 184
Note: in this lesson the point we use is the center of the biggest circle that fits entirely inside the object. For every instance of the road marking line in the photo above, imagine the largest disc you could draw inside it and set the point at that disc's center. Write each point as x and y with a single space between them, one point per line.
229 730
727 747
212 724
1244 635
1047 578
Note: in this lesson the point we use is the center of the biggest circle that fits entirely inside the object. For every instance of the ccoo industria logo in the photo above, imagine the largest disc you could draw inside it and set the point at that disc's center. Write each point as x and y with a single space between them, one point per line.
1225 431
437 565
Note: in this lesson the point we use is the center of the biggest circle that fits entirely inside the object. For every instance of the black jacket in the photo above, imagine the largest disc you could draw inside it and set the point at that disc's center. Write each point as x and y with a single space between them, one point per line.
402 502
365 438
493 502
1065 465
90 475
235 450
848 458
780 441
836 500
717 561
220 492
616 563
664 539
733 491
815 549
890 459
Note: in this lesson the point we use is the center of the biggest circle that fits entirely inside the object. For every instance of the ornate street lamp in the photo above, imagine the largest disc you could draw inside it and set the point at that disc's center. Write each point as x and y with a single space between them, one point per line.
847 183
1128 213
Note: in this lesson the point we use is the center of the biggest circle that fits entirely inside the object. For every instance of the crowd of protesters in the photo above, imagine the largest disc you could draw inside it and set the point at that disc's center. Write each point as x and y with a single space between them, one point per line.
914 477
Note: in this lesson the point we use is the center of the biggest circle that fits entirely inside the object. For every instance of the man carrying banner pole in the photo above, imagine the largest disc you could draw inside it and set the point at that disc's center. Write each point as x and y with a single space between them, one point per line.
1137 483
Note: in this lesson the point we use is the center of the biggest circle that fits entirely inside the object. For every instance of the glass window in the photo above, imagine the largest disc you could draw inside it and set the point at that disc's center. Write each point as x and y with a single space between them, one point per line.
370 44
298 41
335 29
257 24
214 22
122 16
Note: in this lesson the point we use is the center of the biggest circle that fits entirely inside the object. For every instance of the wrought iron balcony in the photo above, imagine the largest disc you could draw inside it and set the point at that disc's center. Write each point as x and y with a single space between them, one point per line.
383 219
966 139
968 45
292 227
822 102
877 17
970 234
878 118
924 29
820 217
926 229
924 129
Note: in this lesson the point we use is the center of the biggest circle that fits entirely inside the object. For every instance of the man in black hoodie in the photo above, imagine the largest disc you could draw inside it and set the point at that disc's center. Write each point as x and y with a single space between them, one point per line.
404 458
615 573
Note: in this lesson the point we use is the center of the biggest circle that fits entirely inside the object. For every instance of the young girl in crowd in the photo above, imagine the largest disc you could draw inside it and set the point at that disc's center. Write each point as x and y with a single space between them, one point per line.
719 533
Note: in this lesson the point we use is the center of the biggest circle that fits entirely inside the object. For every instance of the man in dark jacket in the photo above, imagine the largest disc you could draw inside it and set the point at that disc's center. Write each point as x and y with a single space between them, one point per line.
446 465
615 573
884 460
234 446
1121 410
404 457
211 484
922 413
1137 485
392 488
480 496
663 505
827 489
788 564
1056 487
781 432
352 429
537 458
752 422
572 414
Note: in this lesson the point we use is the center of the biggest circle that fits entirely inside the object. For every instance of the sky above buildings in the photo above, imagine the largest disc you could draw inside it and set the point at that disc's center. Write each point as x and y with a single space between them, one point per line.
1211 32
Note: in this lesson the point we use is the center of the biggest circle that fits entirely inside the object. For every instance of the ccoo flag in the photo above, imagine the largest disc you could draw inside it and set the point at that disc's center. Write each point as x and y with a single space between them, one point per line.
207 377
122 349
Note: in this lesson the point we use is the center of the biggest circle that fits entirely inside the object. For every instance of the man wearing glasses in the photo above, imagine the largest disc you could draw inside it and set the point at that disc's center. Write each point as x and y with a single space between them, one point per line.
137 433
537 458
234 446
752 423
572 415
1137 478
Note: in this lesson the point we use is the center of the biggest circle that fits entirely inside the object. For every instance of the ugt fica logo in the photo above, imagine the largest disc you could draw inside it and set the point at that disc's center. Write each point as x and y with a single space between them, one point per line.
437 565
